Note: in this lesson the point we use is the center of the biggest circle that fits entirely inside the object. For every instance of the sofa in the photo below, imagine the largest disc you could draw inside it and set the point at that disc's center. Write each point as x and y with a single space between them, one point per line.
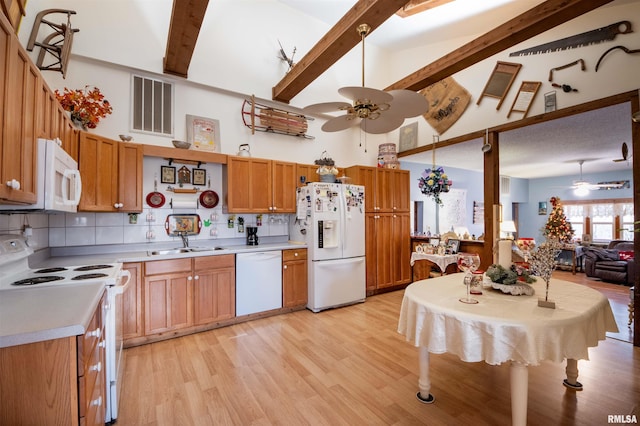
611 264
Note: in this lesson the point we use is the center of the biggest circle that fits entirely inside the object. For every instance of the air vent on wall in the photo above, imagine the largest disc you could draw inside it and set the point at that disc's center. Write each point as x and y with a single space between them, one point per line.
505 185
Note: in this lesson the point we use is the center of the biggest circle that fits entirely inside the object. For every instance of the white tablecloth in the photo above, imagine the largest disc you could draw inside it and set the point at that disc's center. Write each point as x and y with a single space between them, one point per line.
503 327
441 261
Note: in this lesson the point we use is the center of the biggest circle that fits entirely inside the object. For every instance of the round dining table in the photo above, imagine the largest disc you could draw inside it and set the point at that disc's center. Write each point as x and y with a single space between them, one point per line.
504 328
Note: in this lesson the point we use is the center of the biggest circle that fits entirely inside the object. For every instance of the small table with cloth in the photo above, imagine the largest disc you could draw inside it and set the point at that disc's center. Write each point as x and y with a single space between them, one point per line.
447 264
502 328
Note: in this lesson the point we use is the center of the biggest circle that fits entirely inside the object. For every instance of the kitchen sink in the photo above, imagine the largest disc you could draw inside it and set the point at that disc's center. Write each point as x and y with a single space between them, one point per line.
183 250
169 251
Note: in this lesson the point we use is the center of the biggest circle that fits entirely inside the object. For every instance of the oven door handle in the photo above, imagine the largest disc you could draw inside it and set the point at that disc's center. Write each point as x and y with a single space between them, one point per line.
121 288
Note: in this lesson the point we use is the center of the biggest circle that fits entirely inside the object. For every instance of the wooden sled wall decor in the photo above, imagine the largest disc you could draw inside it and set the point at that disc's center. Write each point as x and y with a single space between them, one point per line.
57 44
263 118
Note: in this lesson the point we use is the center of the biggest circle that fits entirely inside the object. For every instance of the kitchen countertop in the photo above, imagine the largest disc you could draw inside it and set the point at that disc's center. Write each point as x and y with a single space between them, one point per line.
36 314
144 256
32 315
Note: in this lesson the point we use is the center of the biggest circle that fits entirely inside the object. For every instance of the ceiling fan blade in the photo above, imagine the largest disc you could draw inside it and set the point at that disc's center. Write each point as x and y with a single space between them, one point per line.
383 124
360 93
340 123
408 103
326 107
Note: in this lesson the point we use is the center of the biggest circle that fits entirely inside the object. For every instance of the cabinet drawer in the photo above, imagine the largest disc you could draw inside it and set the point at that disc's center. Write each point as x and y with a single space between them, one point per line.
167 266
214 262
88 341
294 254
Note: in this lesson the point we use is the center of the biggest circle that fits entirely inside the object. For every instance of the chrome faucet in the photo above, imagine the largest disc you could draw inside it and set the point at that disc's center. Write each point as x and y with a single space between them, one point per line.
185 239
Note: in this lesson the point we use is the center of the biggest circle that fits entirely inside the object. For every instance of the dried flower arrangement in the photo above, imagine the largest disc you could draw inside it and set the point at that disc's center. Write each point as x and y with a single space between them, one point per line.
87 106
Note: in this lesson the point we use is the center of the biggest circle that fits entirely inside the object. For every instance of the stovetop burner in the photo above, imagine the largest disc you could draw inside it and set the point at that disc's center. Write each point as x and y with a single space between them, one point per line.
88 276
49 270
37 280
93 267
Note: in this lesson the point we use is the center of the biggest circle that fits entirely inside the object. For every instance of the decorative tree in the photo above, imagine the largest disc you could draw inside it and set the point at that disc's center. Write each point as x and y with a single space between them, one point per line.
557 227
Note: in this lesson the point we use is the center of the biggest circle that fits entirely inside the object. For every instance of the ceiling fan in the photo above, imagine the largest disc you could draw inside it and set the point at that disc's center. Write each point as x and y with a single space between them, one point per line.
625 154
376 111
582 187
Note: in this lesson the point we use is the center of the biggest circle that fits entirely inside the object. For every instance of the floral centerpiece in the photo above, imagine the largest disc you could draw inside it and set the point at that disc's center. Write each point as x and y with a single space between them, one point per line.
87 106
513 275
434 181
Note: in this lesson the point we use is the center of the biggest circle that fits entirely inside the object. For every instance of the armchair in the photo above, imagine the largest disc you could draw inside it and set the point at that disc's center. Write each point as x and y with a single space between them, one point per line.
606 264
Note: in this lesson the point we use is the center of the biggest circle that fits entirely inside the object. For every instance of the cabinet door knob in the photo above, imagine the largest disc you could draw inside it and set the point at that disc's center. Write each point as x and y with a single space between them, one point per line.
118 205
197 277
284 267
97 367
97 402
189 278
13 184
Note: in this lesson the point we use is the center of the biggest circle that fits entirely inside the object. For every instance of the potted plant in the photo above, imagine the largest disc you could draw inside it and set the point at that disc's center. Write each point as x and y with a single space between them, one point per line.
327 168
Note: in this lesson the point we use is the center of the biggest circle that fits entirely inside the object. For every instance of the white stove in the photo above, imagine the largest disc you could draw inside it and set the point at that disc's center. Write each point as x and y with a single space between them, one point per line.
15 273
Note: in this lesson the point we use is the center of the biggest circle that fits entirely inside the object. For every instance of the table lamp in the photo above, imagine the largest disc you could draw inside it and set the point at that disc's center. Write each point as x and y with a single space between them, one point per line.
508 227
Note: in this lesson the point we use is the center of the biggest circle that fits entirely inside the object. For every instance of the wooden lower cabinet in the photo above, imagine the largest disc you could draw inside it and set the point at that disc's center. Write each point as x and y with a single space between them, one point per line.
129 307
60 381
388 250
214 292
294 278
188 292
167 295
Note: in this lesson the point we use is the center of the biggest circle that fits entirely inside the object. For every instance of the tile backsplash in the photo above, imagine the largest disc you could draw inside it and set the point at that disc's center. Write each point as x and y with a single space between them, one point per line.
89 229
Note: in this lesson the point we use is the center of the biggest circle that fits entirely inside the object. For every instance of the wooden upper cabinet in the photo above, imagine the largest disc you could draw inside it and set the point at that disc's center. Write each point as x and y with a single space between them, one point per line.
111 174
256 185
306 173
283 183
19 95
130 160
402 191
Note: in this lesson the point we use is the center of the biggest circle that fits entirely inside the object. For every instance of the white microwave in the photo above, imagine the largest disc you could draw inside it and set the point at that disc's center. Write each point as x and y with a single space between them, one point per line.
58 181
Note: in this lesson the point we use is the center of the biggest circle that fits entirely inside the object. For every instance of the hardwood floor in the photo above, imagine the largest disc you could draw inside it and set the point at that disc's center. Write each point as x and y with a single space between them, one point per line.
349 366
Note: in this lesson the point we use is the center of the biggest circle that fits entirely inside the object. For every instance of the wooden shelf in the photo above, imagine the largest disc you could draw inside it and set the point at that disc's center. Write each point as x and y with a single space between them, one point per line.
184 155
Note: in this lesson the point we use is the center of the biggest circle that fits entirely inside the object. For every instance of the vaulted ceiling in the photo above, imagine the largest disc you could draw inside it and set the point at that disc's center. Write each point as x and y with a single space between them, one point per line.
187 17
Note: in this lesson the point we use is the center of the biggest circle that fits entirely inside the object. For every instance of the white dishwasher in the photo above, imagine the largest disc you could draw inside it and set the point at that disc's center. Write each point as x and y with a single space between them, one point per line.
258 282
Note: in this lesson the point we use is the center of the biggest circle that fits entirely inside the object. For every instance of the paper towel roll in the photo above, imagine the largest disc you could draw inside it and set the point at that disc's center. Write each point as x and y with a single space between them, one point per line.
504 253
184 204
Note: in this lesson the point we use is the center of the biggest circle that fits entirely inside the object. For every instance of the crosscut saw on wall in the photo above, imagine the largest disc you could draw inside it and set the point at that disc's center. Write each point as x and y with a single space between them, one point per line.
600 35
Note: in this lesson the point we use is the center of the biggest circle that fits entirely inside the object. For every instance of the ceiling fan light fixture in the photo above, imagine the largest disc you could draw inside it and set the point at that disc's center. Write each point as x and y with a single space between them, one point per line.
581 191
371 105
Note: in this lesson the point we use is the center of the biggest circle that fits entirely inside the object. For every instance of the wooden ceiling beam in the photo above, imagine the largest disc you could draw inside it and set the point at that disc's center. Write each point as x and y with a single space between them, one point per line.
535 21
186 20
334 45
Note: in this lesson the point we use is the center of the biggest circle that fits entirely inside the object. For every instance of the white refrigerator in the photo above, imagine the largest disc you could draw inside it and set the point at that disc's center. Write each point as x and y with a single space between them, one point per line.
330 220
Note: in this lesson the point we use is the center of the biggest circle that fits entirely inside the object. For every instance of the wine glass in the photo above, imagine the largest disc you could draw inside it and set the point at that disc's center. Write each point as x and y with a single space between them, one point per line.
468 263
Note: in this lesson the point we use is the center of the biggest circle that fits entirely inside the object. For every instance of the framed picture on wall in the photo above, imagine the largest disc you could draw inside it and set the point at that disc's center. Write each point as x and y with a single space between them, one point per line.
199 176
542 207
167 174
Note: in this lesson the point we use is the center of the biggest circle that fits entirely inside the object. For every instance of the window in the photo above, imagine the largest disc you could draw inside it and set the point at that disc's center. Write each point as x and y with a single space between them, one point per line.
575 216
603 220
152 106
626 222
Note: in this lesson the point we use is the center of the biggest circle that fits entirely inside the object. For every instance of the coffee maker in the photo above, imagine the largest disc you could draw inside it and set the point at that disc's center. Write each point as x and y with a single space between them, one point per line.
252 235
